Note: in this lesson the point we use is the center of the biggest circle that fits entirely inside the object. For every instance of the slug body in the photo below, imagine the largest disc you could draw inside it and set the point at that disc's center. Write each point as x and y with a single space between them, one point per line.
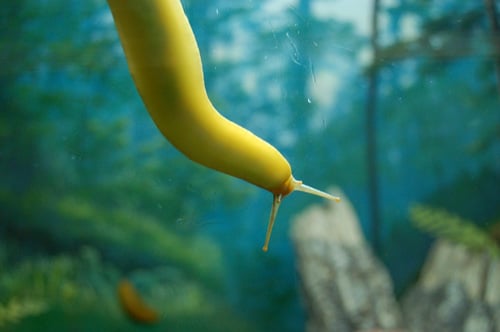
133 304
165 63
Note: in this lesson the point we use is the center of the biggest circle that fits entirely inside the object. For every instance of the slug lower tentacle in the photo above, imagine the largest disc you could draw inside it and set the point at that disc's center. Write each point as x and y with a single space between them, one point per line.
165 63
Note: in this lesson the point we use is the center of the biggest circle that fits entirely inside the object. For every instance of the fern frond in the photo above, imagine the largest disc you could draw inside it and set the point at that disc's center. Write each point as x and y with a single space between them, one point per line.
441 223
15 310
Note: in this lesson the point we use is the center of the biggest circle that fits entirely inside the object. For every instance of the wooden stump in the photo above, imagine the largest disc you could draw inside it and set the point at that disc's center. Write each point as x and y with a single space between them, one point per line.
345 288
458 290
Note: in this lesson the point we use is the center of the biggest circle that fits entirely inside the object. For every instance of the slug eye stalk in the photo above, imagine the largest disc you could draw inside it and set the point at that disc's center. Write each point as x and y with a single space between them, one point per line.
296 185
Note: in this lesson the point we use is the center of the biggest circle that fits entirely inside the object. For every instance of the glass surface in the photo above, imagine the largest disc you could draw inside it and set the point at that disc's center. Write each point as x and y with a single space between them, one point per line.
92 194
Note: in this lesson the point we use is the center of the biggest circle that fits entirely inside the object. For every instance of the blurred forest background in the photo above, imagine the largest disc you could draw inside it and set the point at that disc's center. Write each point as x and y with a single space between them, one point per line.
90 192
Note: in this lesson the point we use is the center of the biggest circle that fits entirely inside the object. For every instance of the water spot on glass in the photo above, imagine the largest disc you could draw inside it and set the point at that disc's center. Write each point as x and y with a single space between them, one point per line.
295 51
309 101
313 74
208 223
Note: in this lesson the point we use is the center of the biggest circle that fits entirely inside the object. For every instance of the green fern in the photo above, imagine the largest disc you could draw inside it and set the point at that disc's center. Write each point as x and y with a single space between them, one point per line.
75 285
441 223
34 286
15 310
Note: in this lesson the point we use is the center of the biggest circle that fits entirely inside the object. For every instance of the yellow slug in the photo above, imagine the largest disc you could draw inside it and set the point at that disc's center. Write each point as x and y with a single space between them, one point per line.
133 304
165 63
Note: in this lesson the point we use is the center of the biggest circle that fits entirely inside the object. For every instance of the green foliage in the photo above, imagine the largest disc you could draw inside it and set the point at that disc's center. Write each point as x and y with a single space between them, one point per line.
35 286
67 290
441 223
131 237
82 164
15 310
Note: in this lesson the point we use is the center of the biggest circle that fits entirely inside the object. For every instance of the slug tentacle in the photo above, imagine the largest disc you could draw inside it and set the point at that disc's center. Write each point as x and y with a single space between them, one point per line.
272 217
294 185
299 186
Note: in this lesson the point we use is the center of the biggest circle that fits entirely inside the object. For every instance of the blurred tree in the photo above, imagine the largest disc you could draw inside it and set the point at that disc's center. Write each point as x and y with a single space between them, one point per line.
371 130
437 119
492 12
439 110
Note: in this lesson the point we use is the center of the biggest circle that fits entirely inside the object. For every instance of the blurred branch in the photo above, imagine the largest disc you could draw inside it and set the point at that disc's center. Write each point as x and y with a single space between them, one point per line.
441 39
444 45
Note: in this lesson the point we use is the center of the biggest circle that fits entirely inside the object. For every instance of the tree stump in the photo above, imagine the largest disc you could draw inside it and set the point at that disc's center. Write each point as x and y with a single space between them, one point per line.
458 290
345 288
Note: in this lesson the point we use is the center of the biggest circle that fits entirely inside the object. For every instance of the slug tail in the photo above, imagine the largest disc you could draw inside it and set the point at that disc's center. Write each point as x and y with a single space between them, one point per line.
299 186
272 217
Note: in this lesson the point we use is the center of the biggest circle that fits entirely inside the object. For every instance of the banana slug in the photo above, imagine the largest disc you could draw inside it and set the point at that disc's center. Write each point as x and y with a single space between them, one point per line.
165 63
133 304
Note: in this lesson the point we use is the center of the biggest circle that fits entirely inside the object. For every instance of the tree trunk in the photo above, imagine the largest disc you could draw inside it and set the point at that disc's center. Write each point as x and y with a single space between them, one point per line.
491 10
371 132
345 287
